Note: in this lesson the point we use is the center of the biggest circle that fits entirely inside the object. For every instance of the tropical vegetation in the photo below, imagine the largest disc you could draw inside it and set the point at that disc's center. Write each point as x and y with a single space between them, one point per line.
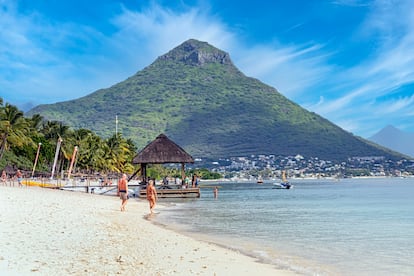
22 137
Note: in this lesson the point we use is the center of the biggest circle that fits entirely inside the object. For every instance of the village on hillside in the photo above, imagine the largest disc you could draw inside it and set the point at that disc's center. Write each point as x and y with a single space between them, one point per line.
271 167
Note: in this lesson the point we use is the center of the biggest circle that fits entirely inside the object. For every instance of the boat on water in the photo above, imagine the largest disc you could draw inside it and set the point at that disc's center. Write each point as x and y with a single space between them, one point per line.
284 184
259 180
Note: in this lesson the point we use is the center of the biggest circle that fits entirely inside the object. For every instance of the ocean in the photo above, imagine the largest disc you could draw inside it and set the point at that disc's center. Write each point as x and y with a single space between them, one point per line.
319 227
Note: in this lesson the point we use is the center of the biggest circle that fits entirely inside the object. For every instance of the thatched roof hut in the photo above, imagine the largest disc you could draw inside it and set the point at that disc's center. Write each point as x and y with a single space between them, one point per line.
160 151
10 170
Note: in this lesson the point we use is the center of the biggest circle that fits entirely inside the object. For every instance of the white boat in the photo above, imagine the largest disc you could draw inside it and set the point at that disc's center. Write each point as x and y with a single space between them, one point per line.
111 191
284 184
96 188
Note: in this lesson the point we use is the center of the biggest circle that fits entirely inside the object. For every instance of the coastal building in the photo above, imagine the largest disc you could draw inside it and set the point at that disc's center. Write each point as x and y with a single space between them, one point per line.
162 151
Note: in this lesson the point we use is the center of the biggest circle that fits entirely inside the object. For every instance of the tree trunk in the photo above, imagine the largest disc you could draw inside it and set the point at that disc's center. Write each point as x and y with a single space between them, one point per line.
3 144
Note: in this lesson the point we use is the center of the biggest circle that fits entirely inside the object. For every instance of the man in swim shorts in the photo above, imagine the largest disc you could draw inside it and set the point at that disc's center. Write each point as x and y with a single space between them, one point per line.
123 191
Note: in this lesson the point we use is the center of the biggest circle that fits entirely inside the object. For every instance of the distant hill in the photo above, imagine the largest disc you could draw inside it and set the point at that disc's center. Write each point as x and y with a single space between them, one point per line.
198 98
395 139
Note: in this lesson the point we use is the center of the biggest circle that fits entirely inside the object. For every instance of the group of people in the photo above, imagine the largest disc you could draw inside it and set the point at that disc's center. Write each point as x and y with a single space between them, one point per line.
18 176
184 184
152 196
194 182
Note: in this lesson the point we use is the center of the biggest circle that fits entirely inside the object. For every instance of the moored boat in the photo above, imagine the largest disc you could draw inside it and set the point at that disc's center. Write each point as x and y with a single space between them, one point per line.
284 184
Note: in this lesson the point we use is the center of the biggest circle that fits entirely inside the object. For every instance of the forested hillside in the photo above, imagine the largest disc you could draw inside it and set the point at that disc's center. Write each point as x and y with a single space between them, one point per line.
196 96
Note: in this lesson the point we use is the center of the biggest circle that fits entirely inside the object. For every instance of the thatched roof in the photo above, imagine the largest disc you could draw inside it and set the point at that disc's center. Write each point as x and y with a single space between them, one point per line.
162 150
10 170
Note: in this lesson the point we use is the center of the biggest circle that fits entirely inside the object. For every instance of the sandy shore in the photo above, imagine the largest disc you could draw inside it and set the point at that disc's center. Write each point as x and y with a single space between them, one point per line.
49 232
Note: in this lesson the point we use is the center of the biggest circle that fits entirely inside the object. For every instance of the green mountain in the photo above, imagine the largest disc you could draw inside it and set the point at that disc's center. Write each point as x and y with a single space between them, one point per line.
198 98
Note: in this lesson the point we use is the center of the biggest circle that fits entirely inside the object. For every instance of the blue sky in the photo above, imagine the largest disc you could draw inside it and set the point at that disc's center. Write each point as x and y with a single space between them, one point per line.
350 61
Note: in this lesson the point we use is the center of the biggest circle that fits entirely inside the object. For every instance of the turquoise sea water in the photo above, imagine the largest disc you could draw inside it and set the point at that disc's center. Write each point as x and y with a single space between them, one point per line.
324 227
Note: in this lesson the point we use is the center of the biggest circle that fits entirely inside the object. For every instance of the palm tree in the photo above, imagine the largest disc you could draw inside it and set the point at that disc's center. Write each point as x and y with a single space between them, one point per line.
35 122
91 153
54 130
14 129
118 154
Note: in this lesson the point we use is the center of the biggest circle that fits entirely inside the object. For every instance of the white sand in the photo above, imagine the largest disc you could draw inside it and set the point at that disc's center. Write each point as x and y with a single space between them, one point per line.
50 232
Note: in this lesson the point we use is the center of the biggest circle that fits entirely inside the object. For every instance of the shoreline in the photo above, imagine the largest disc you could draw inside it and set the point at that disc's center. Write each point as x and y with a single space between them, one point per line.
48 231
283 261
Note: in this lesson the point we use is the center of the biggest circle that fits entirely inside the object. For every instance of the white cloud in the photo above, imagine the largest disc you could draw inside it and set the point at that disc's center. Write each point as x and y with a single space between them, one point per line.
157 30
35 65
42 60
397 105
56 61
361 90
293 70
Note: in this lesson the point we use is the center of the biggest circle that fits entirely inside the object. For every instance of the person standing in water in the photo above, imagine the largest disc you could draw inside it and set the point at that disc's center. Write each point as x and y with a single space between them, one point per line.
123 191
151 195
215 192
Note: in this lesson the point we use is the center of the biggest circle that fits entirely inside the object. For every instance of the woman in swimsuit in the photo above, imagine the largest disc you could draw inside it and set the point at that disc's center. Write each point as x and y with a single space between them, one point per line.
151 195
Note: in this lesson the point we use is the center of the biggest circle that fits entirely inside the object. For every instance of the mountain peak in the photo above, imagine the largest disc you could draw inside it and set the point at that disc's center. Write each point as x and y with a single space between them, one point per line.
395 139
389 130
198 53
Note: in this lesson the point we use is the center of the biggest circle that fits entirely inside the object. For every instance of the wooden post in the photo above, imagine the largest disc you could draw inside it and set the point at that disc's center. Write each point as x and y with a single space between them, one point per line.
37 157
144 173
134 174
56 156
75 150
183 173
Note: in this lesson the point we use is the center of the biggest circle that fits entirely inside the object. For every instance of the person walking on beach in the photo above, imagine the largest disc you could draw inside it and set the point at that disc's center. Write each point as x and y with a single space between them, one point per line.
151 195
123 191
19 177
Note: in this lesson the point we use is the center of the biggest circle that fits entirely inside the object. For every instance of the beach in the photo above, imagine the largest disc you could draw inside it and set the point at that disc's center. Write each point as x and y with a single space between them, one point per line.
47 232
